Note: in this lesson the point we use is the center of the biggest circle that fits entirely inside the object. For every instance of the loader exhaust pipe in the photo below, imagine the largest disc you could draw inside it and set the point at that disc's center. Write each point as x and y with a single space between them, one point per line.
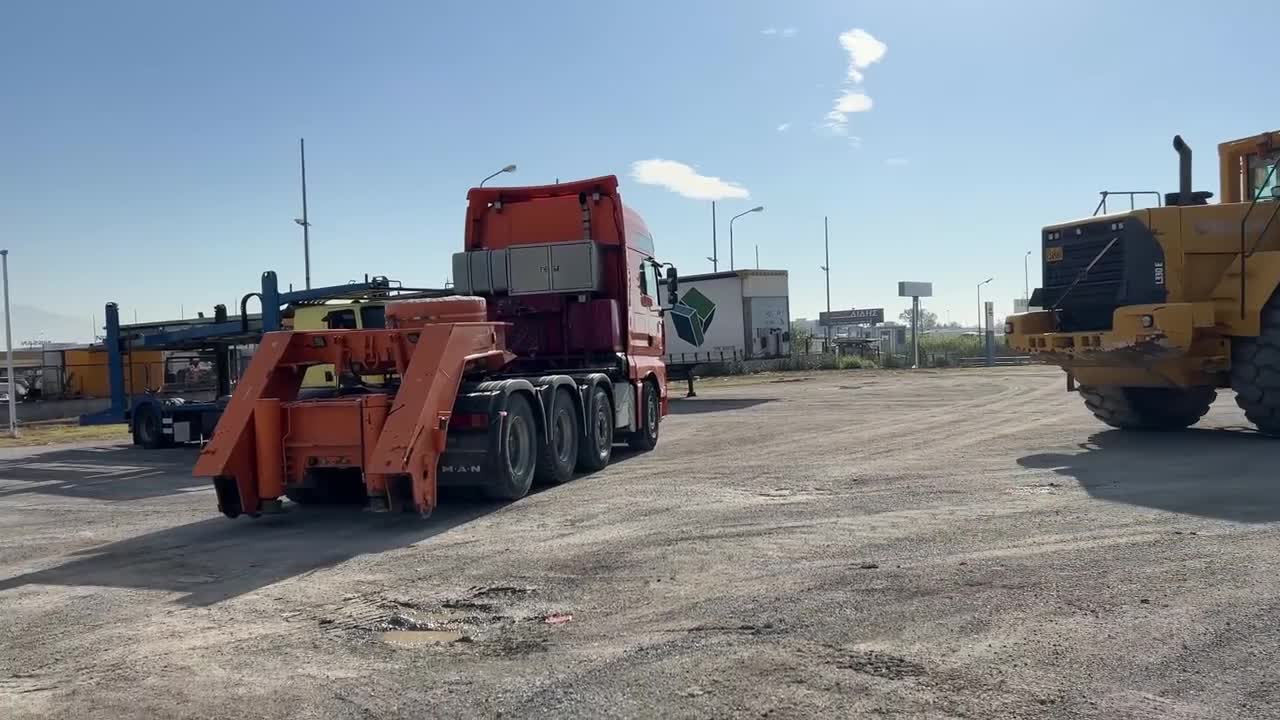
1184 170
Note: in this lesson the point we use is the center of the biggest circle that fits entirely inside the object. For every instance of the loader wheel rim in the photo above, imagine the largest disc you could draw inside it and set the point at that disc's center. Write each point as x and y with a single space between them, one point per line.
562 436
519 447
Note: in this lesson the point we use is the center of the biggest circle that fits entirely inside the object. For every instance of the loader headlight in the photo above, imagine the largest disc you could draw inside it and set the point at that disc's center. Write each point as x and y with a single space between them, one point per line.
1008 328
1148 321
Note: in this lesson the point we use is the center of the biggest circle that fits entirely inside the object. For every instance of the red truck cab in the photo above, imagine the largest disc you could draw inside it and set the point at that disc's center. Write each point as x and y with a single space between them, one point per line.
573 270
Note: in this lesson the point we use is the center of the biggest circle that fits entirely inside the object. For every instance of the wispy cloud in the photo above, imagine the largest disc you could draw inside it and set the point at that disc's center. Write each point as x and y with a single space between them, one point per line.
786 32
789 32
783 127
897 162
769 31
864 50
684 180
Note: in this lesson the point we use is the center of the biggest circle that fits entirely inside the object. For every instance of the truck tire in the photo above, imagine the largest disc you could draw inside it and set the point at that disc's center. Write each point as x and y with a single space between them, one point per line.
517 452
646 438
558 455
1255 371
595 447
147 429
1148 408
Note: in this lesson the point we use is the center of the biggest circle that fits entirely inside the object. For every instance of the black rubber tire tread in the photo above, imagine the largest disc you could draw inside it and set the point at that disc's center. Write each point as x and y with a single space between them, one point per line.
591 456
551 470
1148 408
150 419
1255 371
646 438
504 485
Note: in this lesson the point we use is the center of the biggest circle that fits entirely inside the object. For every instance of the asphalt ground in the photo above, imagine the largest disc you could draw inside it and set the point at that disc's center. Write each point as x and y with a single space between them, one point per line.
949 544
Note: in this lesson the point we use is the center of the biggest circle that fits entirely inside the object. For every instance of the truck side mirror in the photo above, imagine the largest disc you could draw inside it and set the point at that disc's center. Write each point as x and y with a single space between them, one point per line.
673 287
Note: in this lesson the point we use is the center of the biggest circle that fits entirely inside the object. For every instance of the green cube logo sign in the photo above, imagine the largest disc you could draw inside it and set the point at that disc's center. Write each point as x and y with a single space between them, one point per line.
692 316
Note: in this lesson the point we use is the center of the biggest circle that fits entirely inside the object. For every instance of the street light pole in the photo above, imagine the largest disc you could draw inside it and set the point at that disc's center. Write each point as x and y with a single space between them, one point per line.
757 256
1026 279
508 169
758 208
980 310
8 343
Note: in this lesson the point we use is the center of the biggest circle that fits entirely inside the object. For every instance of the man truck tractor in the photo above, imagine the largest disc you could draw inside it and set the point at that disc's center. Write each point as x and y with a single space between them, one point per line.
551 351
1151 311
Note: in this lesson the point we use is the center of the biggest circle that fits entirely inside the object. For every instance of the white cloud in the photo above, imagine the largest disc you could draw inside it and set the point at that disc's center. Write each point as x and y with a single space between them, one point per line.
769 31
789 32
897 161
784 32
784 127
680 178
863 50
850 102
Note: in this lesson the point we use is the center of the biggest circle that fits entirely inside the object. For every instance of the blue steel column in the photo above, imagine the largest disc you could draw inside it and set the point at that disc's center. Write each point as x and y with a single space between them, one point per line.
115 361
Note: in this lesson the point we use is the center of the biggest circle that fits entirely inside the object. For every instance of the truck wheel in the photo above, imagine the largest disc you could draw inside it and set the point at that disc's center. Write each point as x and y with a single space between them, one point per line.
147 429
595 447
517 452
1148 408
1255 372
558 455
646 438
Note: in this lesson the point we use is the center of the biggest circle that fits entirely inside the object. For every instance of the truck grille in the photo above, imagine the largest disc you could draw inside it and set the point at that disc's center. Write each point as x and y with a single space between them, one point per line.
1077 253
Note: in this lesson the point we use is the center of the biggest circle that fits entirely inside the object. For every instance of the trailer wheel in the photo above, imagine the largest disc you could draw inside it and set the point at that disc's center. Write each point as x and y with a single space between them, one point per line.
517 452
559 454
147 430
1148 408
1255 371
646 438
595 448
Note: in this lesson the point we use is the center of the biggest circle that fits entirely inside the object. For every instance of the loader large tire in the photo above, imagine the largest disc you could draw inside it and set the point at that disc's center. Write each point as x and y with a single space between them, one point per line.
517 452
1148 408
1255 371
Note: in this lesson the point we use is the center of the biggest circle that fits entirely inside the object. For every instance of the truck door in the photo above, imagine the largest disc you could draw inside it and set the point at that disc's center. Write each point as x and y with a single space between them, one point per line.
645 331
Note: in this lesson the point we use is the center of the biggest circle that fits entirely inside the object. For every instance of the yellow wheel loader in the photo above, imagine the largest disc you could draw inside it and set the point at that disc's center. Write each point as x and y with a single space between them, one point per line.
1152 310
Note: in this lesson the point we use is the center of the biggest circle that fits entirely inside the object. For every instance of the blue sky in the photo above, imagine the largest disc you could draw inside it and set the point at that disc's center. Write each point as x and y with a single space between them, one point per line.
150 148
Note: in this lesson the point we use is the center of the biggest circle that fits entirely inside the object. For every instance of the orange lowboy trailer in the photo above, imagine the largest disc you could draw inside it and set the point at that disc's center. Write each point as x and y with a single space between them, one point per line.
551 352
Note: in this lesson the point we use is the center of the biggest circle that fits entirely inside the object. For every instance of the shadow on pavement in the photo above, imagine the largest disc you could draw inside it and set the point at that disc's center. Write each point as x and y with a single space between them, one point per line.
111 472
216 559
694 406
1227 474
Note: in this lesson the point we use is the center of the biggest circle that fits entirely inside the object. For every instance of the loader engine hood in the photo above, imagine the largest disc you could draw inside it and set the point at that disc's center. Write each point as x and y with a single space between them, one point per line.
1092 266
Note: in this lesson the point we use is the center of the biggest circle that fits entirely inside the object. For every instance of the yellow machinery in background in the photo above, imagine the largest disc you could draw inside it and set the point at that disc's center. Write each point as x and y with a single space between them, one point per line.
336 315
1151 311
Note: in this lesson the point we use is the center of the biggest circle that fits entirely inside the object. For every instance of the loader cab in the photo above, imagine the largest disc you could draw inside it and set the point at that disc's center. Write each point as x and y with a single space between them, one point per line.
365 315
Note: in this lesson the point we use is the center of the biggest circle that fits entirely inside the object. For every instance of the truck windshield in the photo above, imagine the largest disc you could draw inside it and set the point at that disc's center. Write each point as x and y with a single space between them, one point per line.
1262 177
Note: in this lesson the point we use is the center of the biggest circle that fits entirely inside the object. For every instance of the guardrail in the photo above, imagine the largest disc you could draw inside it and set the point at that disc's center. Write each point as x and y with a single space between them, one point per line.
1003 361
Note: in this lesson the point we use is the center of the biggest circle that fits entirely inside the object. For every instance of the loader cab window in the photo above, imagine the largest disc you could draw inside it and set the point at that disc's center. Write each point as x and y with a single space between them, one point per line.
373 317
341 320
1263 177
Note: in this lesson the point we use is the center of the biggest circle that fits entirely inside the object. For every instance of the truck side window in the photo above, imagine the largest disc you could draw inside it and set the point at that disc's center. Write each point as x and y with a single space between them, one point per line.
644 279
373 316
341 320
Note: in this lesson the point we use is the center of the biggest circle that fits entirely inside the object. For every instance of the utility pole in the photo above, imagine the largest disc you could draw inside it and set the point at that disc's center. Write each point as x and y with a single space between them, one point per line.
306 225
1026 279
8 343
826 268
757 257
715 253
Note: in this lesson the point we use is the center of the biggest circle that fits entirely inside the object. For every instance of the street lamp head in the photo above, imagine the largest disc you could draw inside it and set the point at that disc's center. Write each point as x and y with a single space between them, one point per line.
758 208
509 169
984 282
301 222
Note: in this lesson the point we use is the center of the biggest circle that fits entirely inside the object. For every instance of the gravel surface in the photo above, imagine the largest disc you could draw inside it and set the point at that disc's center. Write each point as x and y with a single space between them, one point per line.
952 544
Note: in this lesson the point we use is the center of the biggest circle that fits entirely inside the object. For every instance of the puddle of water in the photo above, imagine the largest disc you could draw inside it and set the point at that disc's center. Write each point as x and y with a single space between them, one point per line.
420 637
